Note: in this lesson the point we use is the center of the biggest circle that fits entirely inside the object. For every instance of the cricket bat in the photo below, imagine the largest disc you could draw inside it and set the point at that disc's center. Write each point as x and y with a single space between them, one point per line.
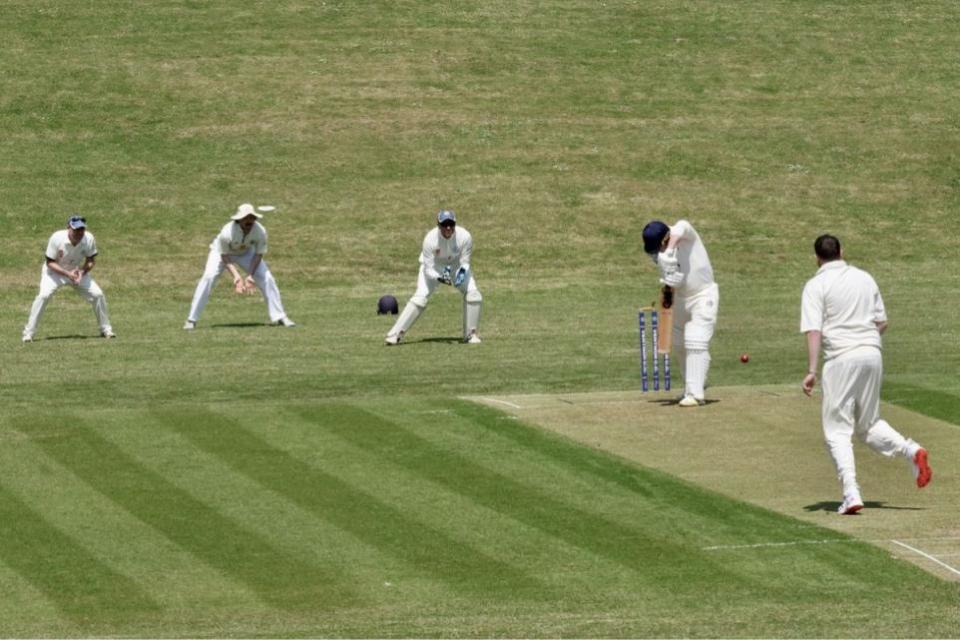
665 337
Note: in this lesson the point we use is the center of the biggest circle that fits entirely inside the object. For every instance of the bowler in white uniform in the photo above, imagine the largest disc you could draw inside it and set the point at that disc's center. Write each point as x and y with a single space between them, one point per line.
842 312
685 266
70 256
241 243
444 259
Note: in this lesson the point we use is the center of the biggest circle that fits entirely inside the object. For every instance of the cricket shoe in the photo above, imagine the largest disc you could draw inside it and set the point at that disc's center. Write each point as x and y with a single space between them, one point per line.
108 333
285 322
690 401
27 338
393 340
851 505
473 339
189 325
921 469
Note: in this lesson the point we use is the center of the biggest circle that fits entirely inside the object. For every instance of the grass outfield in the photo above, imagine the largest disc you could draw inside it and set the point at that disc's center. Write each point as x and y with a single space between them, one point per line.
403 518
248 480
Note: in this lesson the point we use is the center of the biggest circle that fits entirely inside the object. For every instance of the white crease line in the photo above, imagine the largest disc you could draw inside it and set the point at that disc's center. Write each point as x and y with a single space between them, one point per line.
509 404
927 556
759 545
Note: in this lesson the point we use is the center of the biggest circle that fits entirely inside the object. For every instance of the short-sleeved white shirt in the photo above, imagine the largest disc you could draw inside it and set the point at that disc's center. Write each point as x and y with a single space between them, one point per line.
844 304
693 259
232 242
439 252
68 255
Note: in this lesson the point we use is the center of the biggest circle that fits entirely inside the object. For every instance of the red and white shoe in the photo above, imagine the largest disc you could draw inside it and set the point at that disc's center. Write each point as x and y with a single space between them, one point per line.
851 505
921 470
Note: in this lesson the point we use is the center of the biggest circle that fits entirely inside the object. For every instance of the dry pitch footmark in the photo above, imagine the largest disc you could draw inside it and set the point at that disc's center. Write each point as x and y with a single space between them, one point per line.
764 445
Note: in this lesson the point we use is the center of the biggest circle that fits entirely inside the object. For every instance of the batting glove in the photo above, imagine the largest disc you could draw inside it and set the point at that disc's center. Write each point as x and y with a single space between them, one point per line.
674 279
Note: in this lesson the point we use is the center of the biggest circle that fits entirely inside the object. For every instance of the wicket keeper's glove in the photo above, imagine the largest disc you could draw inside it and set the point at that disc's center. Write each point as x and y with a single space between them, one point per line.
460 277
445 276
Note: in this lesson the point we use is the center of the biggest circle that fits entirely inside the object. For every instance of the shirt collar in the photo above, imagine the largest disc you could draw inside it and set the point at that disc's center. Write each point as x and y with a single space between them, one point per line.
833 264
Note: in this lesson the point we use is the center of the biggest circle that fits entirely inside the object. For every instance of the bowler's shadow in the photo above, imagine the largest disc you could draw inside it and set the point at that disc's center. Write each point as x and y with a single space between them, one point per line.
831 505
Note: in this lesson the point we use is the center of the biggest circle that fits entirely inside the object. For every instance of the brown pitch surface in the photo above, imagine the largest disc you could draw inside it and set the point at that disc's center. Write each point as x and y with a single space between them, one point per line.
764 445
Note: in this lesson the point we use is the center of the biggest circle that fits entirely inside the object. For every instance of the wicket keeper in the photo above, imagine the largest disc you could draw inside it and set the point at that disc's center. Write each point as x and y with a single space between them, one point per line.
444 259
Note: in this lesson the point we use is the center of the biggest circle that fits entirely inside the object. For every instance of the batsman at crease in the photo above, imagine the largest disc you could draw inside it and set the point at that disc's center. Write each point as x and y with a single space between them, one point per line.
687 276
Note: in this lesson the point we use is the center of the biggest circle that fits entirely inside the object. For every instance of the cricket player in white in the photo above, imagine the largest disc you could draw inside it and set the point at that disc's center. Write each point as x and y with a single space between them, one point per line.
241 243
842 311
444 259
70 256
685 266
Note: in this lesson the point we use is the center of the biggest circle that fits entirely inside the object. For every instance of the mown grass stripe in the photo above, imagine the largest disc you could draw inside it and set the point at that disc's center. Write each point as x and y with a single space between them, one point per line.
652 556
382 526
649 484
83 588
280 579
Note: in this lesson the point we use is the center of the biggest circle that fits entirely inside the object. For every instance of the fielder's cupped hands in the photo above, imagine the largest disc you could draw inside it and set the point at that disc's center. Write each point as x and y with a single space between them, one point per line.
250 286
239 286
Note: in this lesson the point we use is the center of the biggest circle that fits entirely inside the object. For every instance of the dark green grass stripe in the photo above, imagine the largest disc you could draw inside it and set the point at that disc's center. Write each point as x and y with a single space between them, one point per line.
657 557
280 579
370 520
68 575
936 404
746 520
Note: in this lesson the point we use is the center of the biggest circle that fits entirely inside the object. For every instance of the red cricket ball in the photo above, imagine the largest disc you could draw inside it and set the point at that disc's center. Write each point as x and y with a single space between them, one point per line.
744 357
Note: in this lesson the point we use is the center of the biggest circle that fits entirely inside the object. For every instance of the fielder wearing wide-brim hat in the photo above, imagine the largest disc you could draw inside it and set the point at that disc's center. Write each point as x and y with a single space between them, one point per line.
244 210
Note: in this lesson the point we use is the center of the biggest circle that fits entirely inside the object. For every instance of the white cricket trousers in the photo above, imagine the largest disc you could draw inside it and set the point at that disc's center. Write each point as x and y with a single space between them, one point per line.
50 281
263 278
851 405
694 322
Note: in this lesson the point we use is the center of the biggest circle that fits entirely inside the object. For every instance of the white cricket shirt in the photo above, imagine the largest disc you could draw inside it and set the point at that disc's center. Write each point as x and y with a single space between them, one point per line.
693 259
439 252
844 304
232 242
68 255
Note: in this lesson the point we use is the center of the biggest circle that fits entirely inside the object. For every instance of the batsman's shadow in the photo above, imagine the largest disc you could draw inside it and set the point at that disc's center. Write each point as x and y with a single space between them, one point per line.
833 505
673 402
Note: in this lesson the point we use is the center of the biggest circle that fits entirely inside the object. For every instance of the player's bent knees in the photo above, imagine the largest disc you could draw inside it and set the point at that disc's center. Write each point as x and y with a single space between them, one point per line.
419 301
473 296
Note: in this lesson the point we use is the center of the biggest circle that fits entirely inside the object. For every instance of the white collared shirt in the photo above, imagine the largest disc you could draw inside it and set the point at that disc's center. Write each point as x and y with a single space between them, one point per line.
844 304
439 252
68 255
232 242
693 259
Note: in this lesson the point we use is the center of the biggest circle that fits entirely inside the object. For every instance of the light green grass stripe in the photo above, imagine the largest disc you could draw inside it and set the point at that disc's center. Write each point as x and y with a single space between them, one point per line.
424 548
75 581
280 579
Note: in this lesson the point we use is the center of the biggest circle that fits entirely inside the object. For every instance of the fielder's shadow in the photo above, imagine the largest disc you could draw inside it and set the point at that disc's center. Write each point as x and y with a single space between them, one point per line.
432 340
832 505
238 325
75 336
